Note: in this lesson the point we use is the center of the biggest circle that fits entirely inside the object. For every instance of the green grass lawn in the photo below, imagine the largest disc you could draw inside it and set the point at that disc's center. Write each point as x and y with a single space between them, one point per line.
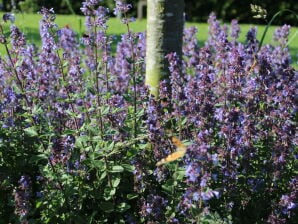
29 24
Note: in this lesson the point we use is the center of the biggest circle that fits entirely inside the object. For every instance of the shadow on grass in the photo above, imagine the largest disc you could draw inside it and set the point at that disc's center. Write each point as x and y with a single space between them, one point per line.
33 36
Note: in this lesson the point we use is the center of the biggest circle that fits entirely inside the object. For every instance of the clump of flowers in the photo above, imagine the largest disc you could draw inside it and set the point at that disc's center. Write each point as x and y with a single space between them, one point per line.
80 135
22 197
236 103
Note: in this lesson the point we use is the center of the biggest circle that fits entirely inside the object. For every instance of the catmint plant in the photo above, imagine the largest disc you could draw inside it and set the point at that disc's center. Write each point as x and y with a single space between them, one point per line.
80 136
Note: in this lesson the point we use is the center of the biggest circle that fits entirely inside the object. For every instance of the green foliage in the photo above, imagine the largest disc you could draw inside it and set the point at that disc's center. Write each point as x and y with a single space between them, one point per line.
240 10
196 11
17 148
29 6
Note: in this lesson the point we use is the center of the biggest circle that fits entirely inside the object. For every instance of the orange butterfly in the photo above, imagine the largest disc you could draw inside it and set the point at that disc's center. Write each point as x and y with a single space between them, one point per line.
180 152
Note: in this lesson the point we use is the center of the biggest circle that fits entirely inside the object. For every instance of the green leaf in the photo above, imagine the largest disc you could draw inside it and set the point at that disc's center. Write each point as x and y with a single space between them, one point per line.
111 146
36 110
81 140
103 175
175 183
69 132
109 193
65 64
132 196
105 110
37 158
91 90
117 169
116 182
143 145
31 131
180 174
131 152
107 207
38 204
168 188
98 164
128 167
183 121
122 207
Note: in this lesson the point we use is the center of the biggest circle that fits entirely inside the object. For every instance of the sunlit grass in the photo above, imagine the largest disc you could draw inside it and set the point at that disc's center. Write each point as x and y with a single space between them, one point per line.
29 24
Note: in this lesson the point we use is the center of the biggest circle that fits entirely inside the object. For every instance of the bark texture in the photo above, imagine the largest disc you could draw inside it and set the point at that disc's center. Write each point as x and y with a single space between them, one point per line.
165 21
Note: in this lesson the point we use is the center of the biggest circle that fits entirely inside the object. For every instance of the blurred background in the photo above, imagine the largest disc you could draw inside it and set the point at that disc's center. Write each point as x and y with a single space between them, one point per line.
196 10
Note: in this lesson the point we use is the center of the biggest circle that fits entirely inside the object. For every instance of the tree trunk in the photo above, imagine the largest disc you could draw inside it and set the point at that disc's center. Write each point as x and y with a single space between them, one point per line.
165 22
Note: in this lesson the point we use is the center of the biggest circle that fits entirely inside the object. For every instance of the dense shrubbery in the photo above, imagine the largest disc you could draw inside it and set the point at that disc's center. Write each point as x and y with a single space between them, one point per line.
196 11
80 135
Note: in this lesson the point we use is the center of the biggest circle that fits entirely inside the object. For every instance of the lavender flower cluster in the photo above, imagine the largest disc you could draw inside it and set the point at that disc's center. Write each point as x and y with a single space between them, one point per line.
238 106
85 110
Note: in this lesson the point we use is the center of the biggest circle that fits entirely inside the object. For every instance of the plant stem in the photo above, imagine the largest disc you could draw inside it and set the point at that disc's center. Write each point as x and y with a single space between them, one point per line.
97 83
270 22
133 71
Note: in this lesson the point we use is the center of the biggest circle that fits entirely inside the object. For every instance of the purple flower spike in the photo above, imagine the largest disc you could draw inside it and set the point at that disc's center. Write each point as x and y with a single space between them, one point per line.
9 17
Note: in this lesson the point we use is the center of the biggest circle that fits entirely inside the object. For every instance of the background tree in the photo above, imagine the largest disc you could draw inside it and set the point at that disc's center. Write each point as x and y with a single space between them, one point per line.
232 9
196 11
164 35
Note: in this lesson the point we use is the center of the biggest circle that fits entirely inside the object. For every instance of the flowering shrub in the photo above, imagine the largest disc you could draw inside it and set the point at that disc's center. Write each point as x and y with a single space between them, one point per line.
80 135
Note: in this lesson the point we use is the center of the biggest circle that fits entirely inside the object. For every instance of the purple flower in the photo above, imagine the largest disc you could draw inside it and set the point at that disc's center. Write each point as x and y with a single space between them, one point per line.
67 39
153 208
190 46
281 52
22 197
252 43
192 172
17 38
9 16
121 7
88 7
196 196
235 29
281 34
153 122
207 195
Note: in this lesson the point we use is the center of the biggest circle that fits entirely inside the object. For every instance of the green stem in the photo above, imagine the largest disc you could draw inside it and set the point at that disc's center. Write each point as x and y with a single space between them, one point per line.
70 8
105 63
97 84
270 22
135 127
